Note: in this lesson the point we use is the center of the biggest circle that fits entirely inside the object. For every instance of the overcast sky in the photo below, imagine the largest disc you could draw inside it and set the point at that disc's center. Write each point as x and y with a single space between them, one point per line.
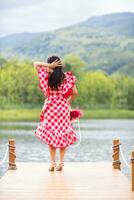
44 15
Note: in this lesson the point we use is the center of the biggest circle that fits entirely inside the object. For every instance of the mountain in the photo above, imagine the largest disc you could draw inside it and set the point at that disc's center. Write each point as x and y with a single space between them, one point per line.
119 23
103 42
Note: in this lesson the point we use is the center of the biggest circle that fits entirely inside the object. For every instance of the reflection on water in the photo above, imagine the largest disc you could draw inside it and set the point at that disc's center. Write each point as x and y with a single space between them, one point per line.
97 136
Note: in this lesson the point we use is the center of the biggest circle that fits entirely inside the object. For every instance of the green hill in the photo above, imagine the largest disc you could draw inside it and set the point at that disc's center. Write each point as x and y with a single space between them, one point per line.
103 42
119 23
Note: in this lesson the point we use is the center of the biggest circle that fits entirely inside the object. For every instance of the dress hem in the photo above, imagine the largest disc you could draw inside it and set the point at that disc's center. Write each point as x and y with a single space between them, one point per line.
59 146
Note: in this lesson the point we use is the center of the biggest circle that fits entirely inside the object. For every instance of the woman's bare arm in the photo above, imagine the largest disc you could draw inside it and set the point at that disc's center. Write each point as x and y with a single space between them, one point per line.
74 94
52 65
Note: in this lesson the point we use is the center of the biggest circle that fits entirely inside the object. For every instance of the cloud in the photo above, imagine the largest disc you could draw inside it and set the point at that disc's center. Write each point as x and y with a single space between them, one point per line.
11 4
28 16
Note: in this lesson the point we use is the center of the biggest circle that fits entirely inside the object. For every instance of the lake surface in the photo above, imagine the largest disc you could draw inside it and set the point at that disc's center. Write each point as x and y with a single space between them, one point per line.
96 142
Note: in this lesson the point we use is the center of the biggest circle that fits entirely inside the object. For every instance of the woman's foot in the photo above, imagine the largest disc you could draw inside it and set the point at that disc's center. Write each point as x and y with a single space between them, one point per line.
52 166
59 167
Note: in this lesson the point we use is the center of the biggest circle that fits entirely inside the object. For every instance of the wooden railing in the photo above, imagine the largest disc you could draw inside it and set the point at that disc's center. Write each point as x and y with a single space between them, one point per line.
12 154
116 160
10 150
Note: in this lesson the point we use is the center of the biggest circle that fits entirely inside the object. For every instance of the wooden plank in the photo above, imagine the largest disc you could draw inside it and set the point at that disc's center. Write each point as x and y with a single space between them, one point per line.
79 180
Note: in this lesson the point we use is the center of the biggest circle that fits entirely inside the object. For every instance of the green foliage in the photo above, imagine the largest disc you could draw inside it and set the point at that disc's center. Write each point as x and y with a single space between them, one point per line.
18 83
124 91
96 88
74 63
19 86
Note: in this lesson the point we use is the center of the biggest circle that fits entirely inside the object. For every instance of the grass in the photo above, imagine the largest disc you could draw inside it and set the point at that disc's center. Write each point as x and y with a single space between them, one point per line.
109 114
32 114
20 114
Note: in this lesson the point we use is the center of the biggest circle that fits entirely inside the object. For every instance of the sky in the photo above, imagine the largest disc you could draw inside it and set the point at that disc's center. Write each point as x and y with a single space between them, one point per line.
18 16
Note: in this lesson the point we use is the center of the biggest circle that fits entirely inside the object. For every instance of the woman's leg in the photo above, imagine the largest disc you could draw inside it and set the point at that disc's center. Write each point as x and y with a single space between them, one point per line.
62 154
61 162
52 151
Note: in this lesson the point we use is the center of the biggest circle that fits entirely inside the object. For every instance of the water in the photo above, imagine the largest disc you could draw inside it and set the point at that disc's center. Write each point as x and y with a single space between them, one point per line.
96 143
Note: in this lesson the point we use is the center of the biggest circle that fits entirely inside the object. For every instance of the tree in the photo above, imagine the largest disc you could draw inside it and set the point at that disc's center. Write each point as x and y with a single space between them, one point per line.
74 63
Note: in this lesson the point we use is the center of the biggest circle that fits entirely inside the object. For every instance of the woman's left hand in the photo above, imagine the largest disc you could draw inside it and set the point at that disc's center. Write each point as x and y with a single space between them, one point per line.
56 63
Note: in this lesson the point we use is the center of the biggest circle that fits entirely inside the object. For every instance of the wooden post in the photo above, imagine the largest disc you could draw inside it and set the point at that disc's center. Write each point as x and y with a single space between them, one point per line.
132 169
116 160
12 156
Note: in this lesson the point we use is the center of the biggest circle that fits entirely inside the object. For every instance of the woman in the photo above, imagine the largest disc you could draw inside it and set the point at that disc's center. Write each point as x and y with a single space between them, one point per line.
55 127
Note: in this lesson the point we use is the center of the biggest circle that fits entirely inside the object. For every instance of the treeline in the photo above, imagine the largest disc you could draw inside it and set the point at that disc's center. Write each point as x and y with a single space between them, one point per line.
19 85
104 42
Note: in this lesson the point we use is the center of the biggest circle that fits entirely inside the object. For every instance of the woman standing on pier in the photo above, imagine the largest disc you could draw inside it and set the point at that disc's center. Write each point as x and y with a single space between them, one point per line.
55 127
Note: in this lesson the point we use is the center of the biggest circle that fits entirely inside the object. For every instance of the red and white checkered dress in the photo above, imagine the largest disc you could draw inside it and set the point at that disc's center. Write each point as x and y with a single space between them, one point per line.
55 126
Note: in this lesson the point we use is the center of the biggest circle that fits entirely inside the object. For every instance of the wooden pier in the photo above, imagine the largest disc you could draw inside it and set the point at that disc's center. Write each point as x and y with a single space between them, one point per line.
77 181
81 181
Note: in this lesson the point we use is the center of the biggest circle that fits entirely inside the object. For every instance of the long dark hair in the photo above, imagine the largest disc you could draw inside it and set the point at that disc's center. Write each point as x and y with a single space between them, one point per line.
57 76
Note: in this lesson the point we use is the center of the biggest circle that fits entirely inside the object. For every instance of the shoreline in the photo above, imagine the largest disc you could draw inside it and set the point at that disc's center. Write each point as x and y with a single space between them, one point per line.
32 114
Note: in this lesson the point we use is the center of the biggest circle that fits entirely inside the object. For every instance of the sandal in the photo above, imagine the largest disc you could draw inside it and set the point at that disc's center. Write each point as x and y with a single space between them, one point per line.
59 167
52 166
